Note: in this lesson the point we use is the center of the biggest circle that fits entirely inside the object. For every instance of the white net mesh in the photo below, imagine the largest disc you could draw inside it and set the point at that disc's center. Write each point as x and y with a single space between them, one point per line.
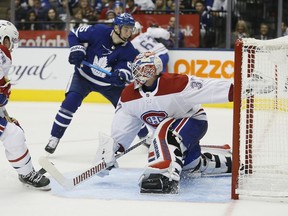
264 118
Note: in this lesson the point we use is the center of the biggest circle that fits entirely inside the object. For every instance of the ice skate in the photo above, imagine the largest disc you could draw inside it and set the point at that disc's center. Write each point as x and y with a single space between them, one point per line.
35 180
52 145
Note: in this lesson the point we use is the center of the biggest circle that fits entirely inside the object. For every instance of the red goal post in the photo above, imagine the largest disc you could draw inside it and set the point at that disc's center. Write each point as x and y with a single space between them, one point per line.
260 116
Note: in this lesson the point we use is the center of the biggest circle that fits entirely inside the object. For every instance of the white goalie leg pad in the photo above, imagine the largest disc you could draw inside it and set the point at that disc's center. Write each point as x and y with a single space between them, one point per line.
213 160
218 161
16 150
165 154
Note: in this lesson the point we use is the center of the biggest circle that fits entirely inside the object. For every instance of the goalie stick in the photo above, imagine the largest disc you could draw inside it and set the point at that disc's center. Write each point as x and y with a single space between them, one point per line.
70 183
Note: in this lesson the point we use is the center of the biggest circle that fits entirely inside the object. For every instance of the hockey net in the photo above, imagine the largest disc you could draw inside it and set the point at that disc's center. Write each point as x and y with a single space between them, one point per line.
260 131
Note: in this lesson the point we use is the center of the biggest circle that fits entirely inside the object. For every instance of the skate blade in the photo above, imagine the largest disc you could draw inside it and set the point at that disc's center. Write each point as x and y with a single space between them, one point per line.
45 188
148 191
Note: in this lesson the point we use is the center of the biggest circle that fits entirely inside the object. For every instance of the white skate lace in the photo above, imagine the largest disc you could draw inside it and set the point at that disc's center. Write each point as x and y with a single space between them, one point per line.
35 177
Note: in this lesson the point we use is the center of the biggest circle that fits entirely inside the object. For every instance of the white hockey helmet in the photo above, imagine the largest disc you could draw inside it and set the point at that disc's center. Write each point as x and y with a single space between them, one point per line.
7 29
145 66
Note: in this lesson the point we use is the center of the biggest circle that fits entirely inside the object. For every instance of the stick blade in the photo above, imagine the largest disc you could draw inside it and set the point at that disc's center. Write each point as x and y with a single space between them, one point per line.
55 173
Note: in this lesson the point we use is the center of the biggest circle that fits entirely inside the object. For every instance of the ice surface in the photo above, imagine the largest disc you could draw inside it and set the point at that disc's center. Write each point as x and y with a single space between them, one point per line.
117 194
122 184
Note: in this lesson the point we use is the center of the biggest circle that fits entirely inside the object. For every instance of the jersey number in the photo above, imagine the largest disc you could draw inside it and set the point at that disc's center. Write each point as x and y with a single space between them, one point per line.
147 44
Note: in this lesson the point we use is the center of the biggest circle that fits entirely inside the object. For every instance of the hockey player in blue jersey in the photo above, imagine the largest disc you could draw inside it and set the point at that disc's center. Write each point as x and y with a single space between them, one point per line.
108 48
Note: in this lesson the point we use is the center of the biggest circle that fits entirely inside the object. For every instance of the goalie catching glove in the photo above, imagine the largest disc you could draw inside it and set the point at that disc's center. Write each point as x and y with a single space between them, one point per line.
258 84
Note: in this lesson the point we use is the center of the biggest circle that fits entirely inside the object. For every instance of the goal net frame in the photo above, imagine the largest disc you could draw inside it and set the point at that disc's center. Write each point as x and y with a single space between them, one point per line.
245 112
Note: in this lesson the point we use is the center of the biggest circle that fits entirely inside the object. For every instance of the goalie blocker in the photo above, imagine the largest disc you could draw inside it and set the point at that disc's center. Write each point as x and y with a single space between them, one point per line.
167 161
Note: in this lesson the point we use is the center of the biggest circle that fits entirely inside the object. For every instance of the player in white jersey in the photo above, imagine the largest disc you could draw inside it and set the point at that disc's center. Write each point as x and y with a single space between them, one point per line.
11 134
171 105
152 40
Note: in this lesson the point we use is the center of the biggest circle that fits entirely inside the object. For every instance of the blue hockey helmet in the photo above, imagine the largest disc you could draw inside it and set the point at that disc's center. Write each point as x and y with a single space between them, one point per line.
118 4
124 19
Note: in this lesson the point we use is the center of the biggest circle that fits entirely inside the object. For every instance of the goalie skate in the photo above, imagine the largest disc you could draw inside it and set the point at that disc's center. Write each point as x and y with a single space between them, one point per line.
157 183
35 180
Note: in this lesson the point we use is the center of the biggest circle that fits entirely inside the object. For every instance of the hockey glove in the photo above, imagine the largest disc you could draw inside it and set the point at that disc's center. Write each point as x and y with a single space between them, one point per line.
77 55
4 93
120 77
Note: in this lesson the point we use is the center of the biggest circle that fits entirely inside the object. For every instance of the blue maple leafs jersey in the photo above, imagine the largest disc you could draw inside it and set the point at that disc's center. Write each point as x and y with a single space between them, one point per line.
101 51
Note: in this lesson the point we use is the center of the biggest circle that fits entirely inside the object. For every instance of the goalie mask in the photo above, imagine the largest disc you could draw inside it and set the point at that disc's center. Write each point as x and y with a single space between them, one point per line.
145 66
7 29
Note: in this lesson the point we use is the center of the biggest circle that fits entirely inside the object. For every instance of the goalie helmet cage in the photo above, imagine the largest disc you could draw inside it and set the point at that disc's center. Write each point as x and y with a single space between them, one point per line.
260 128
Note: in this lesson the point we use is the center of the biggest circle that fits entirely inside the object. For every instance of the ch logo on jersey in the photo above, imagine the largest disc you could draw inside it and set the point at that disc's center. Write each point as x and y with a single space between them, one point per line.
154 118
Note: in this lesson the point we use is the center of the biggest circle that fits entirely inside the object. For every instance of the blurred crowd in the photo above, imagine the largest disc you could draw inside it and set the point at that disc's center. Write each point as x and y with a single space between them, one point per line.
250 18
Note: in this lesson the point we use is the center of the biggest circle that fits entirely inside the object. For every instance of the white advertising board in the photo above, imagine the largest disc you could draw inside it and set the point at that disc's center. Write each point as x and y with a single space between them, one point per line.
49 69
202 63
40 68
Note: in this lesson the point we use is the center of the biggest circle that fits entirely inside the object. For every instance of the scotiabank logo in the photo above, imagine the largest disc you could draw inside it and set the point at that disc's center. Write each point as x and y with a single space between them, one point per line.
43 39
205 68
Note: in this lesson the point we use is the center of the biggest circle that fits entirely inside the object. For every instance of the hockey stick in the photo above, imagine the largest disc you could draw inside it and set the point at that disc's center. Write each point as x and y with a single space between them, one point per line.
6 115
69 183
96 67
100 69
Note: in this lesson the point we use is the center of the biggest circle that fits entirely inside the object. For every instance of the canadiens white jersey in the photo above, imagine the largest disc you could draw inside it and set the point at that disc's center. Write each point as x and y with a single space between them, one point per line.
5 61
176 96
5 65
146 41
